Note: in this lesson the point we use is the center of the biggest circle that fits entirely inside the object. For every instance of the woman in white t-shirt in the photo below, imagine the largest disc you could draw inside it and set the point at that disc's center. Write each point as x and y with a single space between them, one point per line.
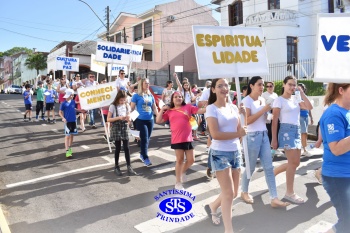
286 108
258 141
225 128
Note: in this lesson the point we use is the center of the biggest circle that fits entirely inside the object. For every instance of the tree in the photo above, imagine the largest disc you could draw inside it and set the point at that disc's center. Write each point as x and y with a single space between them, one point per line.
14 50
36 61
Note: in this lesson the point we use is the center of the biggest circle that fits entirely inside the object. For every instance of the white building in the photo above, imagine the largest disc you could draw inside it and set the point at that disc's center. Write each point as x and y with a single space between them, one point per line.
289 26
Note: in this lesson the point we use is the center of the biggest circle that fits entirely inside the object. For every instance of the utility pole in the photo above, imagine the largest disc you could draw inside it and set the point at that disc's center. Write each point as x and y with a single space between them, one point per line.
124 34
107 26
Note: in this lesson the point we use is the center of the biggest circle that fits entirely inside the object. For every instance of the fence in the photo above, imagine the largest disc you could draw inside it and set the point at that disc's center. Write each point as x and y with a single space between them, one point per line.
304 70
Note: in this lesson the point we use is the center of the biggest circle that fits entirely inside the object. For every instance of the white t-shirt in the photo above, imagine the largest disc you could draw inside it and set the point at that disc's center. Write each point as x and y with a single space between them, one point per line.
254 107
290 110
122 110
122 83
205 95
227 121
188 97
89 84
78 84
269 98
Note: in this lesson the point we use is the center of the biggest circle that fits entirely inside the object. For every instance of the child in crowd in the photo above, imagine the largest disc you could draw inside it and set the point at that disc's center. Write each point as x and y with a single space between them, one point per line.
49 101
40 101
27 95
68 115
119 115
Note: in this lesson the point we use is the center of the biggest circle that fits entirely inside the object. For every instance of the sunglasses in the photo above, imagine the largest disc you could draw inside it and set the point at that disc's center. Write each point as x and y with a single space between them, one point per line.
122 73
269 86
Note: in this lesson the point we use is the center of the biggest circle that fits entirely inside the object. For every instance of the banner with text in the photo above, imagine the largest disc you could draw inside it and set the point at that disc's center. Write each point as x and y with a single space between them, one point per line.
67 63
136 53
116 68
97 96
333 49
97 66
226 52
111 52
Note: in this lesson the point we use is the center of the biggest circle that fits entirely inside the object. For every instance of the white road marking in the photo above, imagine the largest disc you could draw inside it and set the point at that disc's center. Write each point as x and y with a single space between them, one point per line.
55 130
55 175
3 223
85 147
43 124
321 226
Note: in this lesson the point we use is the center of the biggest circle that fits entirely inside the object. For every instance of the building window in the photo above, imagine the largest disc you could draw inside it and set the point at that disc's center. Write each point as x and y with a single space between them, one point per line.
273 4
111 38
118 37
147 55
147 27
138 32
235 13
292 49
330 6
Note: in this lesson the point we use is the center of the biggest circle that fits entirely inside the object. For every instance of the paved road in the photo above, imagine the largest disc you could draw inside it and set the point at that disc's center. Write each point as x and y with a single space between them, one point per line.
42 191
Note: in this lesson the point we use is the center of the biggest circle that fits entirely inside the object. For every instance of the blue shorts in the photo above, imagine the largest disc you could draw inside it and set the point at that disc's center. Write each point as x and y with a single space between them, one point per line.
289 137
220 160
304 123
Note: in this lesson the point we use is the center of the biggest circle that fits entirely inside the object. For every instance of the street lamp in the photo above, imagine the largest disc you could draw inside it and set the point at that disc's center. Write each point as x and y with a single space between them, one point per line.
106 26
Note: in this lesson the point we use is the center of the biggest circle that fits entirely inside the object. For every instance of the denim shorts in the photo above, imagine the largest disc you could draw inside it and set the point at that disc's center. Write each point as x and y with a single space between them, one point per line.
220 160
289 137
304 123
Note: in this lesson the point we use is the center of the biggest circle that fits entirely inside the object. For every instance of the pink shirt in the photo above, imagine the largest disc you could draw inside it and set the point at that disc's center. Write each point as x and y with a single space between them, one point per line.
181 130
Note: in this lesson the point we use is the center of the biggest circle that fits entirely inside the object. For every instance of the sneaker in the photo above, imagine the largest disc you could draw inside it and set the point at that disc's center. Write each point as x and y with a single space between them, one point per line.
36 119
131 171
167 126
147 162
179 186
306 153
48 120
142 159
117 171
70 151
94 127
43 119
25 120
209 174
53 121
30 119
68 154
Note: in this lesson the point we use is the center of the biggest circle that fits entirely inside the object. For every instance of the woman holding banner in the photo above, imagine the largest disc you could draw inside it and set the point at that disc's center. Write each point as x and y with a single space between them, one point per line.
258 141
286 108
225 128
334 125
145 105
179 114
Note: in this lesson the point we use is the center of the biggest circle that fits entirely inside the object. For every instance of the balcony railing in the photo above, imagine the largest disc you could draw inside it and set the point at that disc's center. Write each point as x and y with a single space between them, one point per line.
272 16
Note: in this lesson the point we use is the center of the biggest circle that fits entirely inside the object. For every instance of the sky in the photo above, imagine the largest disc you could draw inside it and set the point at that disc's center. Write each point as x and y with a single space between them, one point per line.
42 24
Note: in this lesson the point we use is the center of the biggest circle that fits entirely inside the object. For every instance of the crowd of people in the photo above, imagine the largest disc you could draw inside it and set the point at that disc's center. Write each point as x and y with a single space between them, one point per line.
273 124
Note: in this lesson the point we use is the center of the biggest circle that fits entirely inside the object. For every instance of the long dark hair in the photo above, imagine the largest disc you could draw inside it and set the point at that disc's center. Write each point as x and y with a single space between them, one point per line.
252 81
286 80
302 85
212 96
120 94
172 105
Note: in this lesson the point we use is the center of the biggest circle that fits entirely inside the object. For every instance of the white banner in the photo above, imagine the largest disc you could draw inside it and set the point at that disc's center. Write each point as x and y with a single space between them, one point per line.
97 66
179 69
136 53
67 63
116 68
115 53
226 52
97 96
333 49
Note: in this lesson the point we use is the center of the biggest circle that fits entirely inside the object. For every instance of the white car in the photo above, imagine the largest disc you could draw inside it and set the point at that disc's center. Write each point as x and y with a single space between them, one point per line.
13 89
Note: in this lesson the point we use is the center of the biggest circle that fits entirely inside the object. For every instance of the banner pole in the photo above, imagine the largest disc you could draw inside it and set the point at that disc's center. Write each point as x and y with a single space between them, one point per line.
243 123
106 131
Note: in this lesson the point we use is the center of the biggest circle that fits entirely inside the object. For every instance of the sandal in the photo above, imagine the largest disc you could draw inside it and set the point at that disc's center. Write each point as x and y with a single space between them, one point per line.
280 204
248 200
294 198
213 217
318 178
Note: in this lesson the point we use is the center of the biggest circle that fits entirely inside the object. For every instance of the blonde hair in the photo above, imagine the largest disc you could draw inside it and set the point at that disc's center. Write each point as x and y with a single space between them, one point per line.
333 92
140 88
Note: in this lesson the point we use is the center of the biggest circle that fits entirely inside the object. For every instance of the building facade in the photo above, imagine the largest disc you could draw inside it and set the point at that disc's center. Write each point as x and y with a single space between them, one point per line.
289 27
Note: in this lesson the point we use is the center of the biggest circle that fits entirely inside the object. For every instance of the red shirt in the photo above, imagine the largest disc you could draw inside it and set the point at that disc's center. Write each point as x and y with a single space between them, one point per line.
181 130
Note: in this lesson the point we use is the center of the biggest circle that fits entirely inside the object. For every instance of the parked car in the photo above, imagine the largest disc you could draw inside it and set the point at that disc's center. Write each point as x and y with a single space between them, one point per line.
13 89
157 93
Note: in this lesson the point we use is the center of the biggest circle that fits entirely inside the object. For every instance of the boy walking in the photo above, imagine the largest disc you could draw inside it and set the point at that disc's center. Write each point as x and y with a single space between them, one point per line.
40 101
67 113
27 95
49 100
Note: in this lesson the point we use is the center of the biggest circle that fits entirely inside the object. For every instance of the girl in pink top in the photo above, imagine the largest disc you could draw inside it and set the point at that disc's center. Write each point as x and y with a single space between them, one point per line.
179 114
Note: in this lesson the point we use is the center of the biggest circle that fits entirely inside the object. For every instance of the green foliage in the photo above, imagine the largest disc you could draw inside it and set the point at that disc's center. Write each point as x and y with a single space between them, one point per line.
36 61
313 88
15 50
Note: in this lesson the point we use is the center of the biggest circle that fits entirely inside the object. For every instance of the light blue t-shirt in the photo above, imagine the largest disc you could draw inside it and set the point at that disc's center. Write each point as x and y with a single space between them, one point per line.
144 106
68 109
335 126
29 99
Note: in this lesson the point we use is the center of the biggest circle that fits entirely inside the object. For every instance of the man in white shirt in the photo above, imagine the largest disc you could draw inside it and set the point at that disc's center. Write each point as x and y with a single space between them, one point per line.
76 84
121 81
90 81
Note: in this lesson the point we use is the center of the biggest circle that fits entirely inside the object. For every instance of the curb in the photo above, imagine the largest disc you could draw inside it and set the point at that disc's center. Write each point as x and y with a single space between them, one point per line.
4 227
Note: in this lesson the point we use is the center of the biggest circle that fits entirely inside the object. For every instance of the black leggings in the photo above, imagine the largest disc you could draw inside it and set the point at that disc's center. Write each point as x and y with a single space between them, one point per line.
40 107
126 151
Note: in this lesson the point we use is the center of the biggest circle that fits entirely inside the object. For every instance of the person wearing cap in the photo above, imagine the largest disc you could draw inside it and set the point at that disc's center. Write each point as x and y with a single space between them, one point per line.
68 114
40 101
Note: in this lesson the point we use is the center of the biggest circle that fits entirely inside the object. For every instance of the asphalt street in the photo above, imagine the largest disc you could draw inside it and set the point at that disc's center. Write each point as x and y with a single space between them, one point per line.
42 191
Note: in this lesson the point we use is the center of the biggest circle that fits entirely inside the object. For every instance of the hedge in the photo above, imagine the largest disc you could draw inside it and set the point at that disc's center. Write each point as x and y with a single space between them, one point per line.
313 88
